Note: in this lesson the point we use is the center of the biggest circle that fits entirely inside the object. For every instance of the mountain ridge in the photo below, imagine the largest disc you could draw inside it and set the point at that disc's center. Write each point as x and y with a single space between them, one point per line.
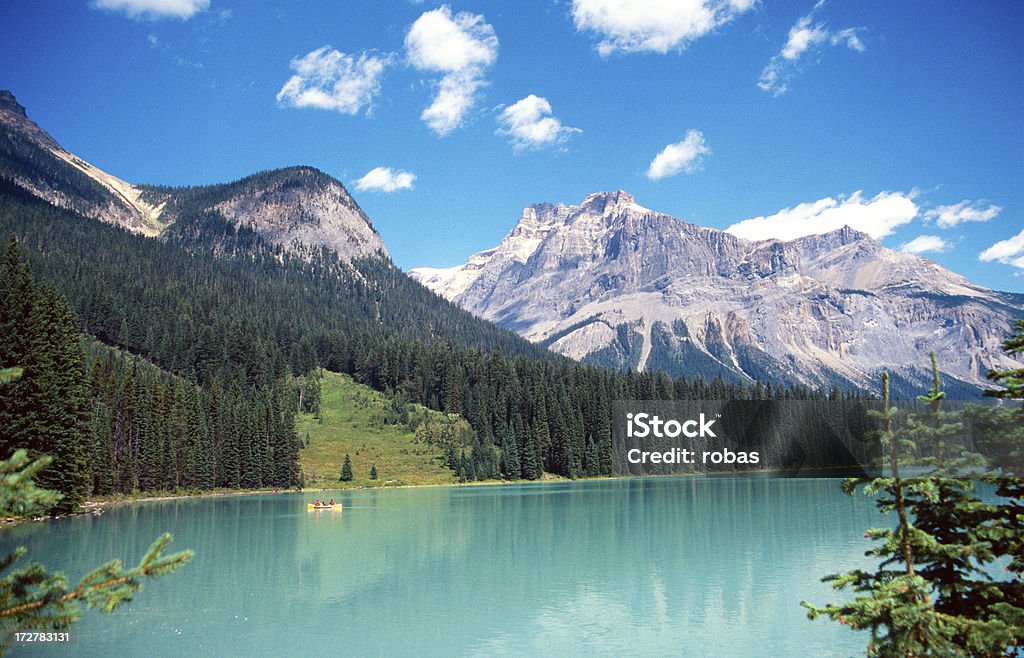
609 281
316 212
293 207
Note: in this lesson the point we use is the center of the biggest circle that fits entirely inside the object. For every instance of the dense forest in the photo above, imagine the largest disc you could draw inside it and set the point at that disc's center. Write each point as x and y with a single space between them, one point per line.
195 341
115 423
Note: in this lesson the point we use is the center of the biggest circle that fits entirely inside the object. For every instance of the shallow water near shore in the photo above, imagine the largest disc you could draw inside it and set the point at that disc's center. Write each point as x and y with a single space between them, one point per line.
664 566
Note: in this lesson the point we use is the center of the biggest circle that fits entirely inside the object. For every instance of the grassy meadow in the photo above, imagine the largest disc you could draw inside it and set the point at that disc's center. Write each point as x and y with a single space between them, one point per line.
351 422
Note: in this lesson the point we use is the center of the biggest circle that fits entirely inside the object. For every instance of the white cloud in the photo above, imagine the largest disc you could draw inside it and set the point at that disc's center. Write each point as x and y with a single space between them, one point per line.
849 38
802 37
460 47
686 155
439 42
385 179
805 36
528 124
965 211
328 79
154 9
1008 252
924 243
658 26
456 95
878 217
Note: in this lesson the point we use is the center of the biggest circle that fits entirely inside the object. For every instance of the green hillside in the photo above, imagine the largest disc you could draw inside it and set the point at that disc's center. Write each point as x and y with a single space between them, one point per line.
353 421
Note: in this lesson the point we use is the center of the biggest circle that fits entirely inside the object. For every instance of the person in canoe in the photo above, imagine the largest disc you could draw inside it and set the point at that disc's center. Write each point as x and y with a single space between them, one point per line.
316 503
332 502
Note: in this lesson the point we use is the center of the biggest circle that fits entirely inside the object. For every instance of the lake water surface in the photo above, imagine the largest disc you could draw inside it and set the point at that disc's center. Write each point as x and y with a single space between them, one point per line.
666 566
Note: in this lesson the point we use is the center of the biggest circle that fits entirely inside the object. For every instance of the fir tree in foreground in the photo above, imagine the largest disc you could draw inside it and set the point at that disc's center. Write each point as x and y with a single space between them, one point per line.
1006 441
346 470
31 598
935 591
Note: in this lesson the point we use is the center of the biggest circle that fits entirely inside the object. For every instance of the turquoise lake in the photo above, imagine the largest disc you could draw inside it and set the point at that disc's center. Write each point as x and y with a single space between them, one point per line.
664 566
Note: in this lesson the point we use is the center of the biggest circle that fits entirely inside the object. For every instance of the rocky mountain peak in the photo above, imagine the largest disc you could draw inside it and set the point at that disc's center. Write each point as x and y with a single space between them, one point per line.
85 189
840 237
613 283
299 207
8 103
602 202
14 119
847 235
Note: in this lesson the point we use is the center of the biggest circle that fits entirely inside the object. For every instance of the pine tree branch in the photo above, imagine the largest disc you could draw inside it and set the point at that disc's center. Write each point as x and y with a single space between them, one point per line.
103 594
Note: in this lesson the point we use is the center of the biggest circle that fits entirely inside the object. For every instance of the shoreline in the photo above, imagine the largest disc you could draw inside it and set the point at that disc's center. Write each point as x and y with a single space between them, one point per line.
546 478
96 506
260 492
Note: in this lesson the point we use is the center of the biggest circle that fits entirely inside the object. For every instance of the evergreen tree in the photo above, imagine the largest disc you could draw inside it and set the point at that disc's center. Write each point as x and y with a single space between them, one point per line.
510 454
373 472
485 462
466 471
456 465
202 464
453 382
250 441
346 470
231 441
1006 442
17 296
151 414
1012 379
46 410
450 458
284 453
591 460
895 605
603 434
181 441
101 458
947 511
941 597
125 473
531 455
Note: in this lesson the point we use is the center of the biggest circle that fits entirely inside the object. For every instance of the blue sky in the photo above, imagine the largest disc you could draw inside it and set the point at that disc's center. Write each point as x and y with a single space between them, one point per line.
444 120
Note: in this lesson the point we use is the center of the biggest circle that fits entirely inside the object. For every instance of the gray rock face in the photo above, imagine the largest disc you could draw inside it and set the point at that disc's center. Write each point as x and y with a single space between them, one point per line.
611 282
306 208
